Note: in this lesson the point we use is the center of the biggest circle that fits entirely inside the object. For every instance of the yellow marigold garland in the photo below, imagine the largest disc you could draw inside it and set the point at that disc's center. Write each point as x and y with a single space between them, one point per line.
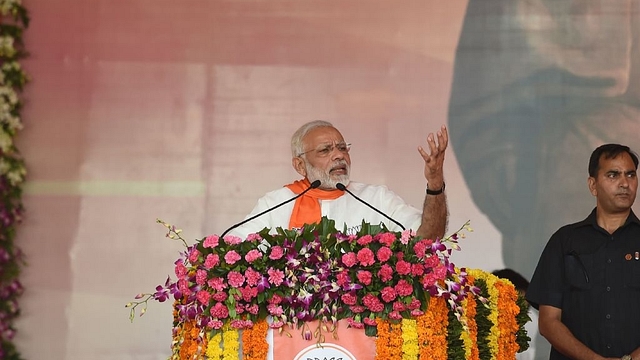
254 341
470 337
507 345
230 340
214 347
409 339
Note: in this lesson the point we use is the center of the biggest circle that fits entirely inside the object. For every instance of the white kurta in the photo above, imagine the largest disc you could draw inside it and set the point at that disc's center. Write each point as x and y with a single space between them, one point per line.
345 210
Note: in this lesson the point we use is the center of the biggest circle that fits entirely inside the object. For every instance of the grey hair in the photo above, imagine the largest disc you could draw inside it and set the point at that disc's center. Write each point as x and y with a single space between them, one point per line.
297 147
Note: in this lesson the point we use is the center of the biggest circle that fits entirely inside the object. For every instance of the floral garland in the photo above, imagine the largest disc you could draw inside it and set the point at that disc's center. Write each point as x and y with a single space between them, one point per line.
13 21
227 286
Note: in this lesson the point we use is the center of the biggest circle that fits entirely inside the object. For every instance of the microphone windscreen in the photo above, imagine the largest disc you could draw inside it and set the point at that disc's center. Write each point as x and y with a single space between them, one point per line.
315 184
341 186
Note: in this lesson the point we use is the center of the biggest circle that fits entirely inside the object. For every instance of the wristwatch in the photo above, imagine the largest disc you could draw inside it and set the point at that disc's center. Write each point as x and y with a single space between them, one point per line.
626 357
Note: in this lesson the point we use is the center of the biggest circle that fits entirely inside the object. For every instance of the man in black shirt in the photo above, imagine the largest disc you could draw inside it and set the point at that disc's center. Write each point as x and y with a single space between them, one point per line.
587 282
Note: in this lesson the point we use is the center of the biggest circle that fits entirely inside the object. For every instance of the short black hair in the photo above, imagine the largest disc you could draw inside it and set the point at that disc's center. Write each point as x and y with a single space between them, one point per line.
609 151
518 281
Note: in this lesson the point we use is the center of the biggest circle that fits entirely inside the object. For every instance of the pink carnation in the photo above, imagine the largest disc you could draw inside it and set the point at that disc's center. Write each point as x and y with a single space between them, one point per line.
369 321
201 277
372 303
355 324
252 276
385 273
248 293
232 240
203 297
420 248
440 272
365 257
384 254
364 277
194 254
211 261
275 299
219 296
211 241
349 299
429 280
394 315
181 270
417 269
367 239
231 257
276 253
386 238
414 304
253 255
357 309
275 276
253 309
399 306
254 237
220 311
349 259
342 278
432 261
217 283
403 267
404 288
215 324
235 279
275 310
183 286
388 294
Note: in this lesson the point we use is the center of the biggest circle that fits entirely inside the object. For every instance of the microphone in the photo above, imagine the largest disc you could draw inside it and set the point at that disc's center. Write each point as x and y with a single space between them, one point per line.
313 185
341 186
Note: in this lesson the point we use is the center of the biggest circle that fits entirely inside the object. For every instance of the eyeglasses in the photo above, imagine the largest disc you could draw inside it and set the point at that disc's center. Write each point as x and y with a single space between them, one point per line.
325 150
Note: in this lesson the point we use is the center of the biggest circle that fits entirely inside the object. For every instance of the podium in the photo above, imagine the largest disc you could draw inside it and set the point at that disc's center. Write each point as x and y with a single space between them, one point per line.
320 293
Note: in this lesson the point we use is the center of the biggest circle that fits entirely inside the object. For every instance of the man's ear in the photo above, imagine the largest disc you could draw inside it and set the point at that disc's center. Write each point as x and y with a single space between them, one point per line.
298 164
592 186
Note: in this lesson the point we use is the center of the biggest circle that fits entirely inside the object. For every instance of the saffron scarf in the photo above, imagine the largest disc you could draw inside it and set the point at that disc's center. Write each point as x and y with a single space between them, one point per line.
306 209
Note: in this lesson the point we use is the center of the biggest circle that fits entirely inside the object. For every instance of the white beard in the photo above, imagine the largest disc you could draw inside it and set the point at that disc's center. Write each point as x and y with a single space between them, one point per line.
327 182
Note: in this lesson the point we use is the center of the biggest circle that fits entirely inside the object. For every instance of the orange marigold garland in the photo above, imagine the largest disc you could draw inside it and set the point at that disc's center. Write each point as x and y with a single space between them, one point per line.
254 341
395 342
432 331
383 350
507 345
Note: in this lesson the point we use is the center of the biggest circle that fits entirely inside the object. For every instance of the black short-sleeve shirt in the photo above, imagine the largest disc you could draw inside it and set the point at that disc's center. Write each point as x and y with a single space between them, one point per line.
594 278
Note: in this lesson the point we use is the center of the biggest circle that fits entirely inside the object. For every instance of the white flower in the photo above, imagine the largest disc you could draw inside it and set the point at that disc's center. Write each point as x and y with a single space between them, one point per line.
14 177
4 166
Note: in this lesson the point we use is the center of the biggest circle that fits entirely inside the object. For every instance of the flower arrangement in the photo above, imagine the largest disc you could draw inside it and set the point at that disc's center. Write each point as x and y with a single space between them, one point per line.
393 285
13 21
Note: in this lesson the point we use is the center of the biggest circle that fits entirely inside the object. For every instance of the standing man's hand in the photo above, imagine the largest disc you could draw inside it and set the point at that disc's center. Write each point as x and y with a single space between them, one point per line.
434 160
